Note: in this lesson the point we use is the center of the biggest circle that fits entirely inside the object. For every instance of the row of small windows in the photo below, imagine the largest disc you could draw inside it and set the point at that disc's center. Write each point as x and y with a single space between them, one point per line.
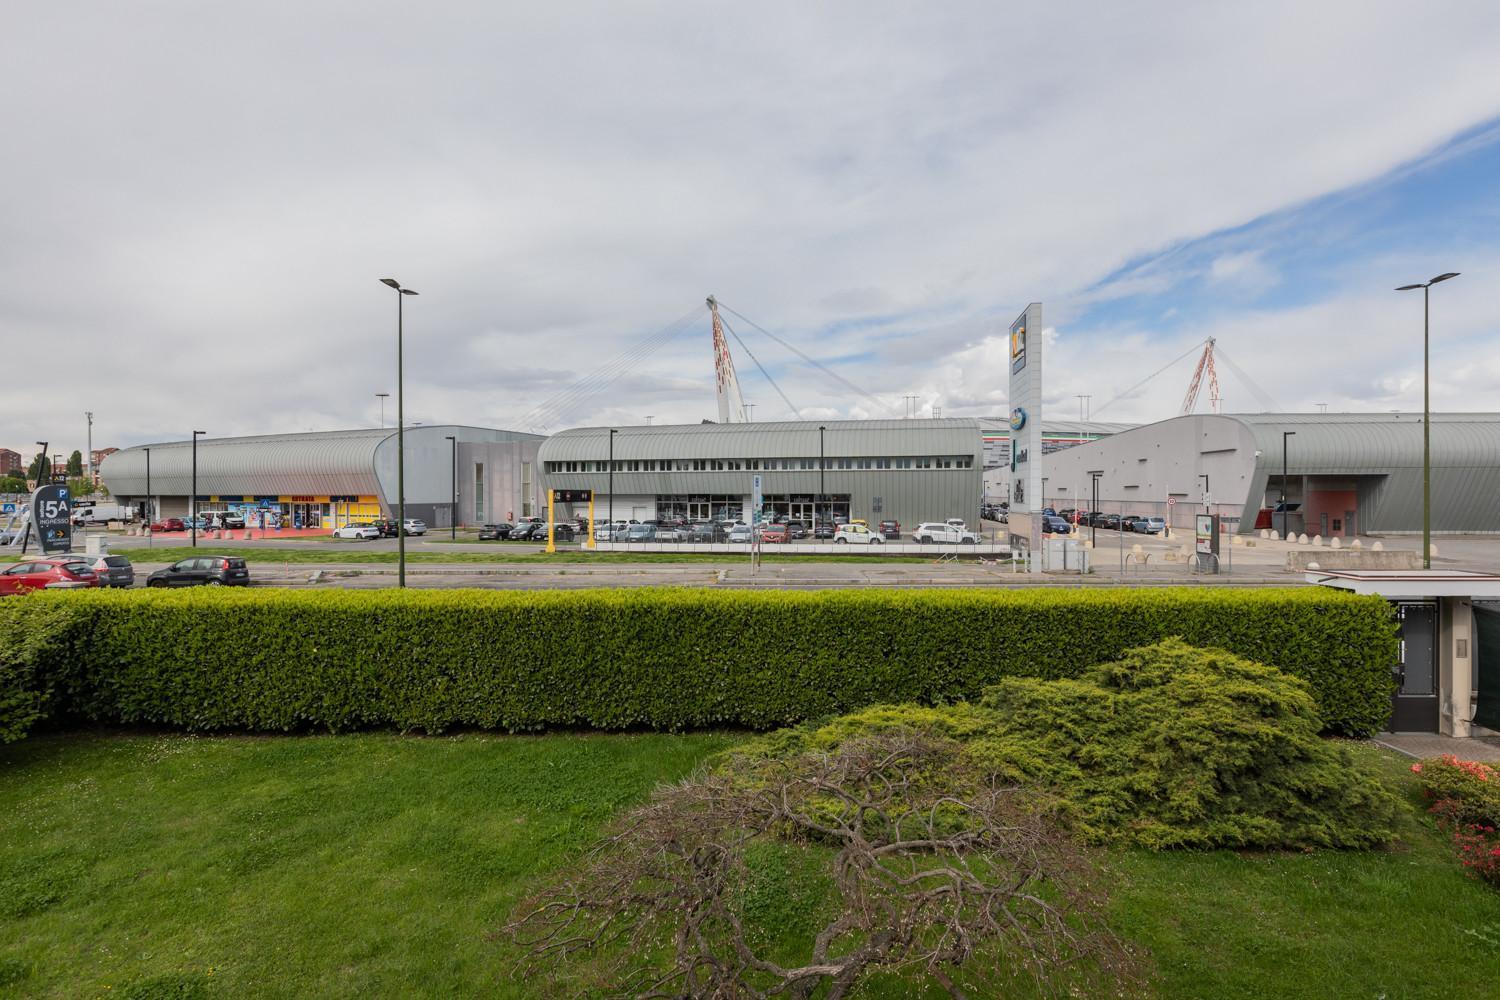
764 464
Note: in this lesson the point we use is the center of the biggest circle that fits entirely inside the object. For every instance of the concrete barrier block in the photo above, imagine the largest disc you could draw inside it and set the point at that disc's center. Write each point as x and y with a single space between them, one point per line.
1329 559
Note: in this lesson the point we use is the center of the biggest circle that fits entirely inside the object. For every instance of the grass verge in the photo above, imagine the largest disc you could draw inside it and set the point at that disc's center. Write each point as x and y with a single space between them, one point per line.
375 864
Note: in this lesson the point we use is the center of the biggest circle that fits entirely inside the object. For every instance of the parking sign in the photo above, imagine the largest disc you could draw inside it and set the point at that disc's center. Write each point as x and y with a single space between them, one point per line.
757 500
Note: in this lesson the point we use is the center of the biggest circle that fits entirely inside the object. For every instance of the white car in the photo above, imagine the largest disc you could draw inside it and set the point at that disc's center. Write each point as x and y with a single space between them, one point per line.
357 531
604 531
415 526
739 534
857 534
943 533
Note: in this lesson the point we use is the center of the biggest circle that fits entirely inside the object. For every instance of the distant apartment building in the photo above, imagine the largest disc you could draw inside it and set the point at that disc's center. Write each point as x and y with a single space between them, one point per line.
11 463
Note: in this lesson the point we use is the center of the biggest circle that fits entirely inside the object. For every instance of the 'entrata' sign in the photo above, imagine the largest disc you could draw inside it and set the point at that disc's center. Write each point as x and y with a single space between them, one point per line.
51 510
572 496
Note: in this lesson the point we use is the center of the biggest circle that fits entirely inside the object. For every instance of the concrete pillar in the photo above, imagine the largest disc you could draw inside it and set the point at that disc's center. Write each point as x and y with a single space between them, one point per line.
1455 666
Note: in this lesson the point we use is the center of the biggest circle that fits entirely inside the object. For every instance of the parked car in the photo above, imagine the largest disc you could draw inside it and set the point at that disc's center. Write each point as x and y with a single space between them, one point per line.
796 531
824 529
1150 525
1055 526
640 533
773 533
739 534
890 530
706 531
198 571
1127 523
364 532
941 532
958 523
561 532
112 571
386 526
1048 512
1110 521
169 524
495 532
415 526
527 532
99 513
50 573
1069 514
857 534
231 519
607 532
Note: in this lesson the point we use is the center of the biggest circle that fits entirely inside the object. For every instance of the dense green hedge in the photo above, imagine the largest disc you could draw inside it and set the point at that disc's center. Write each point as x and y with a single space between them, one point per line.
280 659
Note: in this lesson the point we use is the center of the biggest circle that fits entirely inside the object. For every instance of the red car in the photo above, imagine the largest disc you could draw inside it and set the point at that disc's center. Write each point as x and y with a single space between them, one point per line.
169 524
773 533
49 573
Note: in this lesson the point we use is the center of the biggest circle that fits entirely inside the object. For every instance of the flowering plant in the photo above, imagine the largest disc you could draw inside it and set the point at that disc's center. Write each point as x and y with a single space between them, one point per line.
1465 800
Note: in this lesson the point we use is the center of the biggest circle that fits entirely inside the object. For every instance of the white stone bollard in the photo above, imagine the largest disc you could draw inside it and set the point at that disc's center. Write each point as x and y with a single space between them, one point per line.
1313 565
1432 550
1274 535
1302 538
1334 543
1317 541
1378 547
1356 544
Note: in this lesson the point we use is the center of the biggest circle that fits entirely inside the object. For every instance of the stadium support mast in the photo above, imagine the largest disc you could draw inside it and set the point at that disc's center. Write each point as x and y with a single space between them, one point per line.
731 403
1205 365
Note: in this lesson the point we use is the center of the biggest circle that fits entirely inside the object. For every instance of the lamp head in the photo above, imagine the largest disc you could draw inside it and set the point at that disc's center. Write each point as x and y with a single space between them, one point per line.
407 291
392 282
1407 288
1443 277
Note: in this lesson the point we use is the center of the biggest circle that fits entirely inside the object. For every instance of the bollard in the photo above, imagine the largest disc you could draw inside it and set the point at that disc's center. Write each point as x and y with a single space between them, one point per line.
1378 547
1334 543
1317 541
1355 544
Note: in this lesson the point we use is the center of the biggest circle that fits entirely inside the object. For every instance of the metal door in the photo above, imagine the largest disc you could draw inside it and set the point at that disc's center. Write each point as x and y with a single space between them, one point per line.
1414 707
1350 529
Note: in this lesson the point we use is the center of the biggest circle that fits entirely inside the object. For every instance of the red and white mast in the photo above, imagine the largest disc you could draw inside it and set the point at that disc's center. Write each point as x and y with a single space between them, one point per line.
731 403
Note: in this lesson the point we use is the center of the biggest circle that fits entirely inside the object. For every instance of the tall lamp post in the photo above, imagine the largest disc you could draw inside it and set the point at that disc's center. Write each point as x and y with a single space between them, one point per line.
1284 512
44 467
453 469
90 465
149 518
194 504
382 396
822 476
1426 421
1093 521
401 294
612 433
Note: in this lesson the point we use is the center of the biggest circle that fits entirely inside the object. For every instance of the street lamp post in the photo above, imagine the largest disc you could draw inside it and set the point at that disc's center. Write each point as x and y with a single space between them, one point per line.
90 466
401 294
1284 512
612 433
1206 495
149 540
822 476
193 504
453 469
44 467
1094 509
1426 420
382 396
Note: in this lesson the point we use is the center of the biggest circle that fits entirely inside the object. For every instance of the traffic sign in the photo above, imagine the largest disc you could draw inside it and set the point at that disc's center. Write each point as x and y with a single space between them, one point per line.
7 508
572 496
1171 501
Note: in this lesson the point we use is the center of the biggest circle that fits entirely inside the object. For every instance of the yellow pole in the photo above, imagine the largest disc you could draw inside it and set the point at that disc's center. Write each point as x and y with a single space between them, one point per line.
551 545
591 521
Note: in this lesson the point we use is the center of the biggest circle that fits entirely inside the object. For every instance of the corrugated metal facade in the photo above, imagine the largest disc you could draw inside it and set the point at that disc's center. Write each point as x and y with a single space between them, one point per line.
329 462
907 495
1383 452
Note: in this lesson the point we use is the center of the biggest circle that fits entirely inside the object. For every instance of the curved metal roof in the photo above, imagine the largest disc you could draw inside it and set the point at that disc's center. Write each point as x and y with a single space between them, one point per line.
326 462
848 438
1352 443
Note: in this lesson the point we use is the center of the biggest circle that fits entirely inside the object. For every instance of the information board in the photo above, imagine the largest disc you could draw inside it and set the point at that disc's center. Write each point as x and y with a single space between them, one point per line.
52 514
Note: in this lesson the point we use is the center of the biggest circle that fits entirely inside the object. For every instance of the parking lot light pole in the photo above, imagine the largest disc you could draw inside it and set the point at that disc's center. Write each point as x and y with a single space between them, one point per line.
382 396
1206 495
401 294
612 433
148 512
1426 420
453 468
193 505
1093 521
822 476
1284 522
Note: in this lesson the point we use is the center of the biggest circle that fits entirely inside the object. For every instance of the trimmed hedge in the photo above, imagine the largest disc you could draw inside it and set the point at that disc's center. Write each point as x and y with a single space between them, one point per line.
666 659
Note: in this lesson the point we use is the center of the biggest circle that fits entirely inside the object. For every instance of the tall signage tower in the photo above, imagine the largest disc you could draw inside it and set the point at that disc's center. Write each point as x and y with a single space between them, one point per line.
1026 500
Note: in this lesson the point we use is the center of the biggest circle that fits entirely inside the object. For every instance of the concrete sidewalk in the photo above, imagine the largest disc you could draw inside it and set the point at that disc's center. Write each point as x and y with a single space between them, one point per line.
1424 745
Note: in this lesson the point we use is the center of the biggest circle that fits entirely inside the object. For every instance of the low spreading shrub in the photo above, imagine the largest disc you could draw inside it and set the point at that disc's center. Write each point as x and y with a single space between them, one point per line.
666 659
1170 746
1464 797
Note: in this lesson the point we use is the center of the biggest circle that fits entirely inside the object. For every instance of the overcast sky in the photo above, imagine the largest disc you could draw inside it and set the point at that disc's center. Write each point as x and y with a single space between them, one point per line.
197 201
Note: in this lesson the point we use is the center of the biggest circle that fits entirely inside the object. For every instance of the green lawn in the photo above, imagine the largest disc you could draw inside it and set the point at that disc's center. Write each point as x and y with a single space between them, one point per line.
503 553
155 866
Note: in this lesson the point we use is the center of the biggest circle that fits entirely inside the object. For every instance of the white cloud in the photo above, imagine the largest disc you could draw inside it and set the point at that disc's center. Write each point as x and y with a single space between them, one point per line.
198 200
